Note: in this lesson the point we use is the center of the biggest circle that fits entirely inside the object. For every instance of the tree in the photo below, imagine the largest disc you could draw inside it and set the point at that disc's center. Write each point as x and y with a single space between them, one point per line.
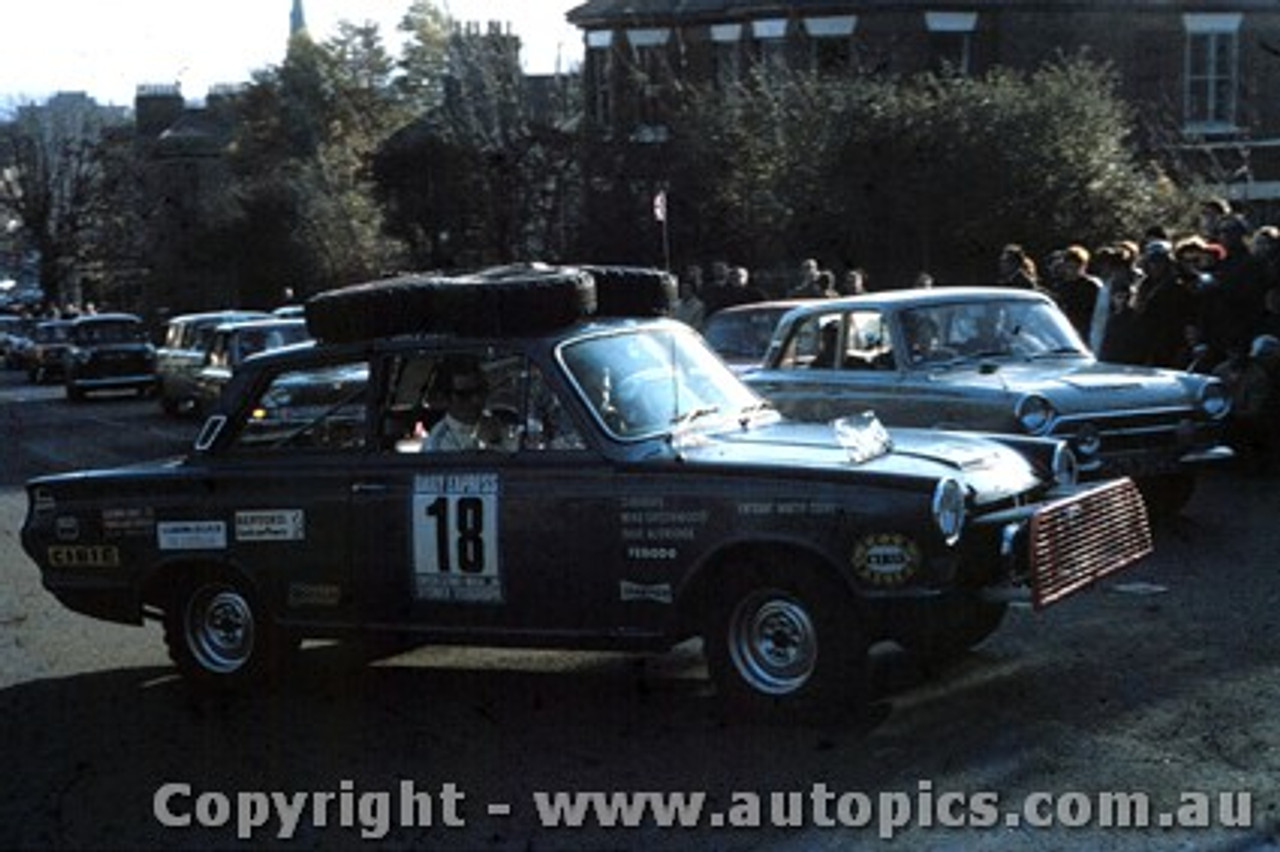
52 183
481 177
306 133
898 175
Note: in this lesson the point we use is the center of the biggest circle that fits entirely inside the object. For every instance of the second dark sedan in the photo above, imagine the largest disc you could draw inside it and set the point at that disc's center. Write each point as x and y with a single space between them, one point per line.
109 352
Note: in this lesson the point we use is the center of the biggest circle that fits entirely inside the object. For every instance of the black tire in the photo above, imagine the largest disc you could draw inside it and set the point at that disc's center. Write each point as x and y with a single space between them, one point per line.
220 636
1167 495
74 393
786 641
506 301
953 629
633 291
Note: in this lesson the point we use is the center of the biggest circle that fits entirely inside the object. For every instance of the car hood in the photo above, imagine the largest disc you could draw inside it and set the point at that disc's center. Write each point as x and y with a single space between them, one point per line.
1075 385
991 470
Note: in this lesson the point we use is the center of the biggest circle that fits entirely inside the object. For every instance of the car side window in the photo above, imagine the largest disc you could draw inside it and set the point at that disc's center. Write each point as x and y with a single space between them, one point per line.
322 407
868 346
516 396
812 343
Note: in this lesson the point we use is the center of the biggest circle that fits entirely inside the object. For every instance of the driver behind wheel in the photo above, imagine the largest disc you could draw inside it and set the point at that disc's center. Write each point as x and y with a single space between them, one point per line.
467 425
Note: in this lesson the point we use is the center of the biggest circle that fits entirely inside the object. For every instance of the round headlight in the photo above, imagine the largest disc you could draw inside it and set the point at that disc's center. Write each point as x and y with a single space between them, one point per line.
1214 400
948 509
1066 470
1087 441
1034 413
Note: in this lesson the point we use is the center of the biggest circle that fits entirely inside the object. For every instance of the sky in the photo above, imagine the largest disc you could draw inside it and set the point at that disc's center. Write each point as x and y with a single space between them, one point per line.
107 49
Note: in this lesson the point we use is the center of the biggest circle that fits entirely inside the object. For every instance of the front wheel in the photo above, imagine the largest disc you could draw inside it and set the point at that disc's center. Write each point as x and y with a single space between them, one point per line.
786 641
219 635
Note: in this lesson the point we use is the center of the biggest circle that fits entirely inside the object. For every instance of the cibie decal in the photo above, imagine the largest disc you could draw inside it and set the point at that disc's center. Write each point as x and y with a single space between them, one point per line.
271 525
84 556
455 538
191 535
886 559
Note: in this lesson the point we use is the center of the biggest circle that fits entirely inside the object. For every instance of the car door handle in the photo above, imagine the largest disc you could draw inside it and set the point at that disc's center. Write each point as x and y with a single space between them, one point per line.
368 488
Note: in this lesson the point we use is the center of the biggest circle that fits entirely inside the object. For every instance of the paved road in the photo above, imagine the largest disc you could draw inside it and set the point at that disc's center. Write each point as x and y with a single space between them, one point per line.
1164 682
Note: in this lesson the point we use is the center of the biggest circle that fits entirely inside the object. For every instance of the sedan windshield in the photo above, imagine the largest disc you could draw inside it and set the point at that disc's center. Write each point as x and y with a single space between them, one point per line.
645 383
988 328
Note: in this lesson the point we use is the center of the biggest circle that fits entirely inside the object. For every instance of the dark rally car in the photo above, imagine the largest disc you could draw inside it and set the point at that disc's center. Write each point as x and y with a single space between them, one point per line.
633 494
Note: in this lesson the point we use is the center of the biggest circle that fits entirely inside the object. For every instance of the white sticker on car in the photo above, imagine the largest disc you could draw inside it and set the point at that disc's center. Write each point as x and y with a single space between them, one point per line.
191 535
455 538
271 525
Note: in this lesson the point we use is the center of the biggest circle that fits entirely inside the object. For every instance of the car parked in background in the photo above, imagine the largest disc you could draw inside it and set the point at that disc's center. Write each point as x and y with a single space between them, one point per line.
740 334
181 355
44 355
15 333
1000 360
230 345
108 352
638 496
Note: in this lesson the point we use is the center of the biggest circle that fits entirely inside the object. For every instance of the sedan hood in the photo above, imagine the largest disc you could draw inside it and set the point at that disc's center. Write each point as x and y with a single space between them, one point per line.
990 469
1073 385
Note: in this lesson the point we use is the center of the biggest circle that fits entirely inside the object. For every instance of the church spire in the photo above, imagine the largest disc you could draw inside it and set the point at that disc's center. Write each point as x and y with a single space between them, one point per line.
297 21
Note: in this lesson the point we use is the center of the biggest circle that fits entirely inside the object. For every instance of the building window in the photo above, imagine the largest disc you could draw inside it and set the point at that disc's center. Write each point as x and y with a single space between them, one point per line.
951 41
1211 73
726 55
649 55
831 43
599 73
770 43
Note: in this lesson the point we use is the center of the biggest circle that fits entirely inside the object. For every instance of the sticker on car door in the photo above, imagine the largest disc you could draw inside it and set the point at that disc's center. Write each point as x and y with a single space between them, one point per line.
455 538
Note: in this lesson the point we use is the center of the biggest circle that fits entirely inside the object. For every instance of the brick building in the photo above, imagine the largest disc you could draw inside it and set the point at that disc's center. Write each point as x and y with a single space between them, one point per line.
1204 75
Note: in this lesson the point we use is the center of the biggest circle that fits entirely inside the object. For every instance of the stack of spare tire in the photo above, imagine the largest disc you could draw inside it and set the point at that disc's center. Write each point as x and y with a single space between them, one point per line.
506 301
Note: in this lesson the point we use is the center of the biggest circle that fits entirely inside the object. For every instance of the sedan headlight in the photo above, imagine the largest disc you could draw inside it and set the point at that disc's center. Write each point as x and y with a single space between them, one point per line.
1034 413
948 509
1214 400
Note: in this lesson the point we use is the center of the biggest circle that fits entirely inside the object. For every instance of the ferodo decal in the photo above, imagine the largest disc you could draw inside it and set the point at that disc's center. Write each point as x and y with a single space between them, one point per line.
84 556
455 538
191 535
886 559
271 525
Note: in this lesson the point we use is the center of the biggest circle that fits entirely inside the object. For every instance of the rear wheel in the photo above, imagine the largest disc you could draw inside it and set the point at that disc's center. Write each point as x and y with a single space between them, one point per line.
219 635
786 641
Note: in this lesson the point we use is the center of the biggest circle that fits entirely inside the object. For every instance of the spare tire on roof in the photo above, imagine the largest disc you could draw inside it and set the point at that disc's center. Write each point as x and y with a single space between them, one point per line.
633 291
503 301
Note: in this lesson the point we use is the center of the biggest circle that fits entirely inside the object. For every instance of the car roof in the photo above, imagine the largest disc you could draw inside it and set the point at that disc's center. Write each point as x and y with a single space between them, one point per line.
919 296
227 315
781 305
263 322
95 318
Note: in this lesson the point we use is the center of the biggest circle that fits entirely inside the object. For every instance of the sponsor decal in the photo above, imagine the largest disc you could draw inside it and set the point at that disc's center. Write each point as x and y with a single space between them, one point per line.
455 538
67 528
126 522
886 559
84 556
191 535
652 592
314 594
271 525
42 501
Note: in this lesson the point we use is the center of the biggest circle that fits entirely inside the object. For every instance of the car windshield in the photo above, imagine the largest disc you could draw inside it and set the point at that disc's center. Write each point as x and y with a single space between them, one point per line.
110 332
743 334
955 332
645 383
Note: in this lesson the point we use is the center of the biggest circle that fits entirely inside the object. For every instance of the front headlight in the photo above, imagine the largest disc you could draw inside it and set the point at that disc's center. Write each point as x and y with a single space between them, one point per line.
948 509
1214 400
1034 413
1066 470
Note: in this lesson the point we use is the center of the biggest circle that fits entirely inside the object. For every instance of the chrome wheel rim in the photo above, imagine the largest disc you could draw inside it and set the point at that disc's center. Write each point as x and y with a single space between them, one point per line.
220 629
772 642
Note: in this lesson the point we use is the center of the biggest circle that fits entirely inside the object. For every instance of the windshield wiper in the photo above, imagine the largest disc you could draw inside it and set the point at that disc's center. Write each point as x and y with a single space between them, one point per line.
1056 353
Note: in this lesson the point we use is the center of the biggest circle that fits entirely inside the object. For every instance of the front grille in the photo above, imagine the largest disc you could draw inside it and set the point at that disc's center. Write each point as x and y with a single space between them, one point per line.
1076 541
